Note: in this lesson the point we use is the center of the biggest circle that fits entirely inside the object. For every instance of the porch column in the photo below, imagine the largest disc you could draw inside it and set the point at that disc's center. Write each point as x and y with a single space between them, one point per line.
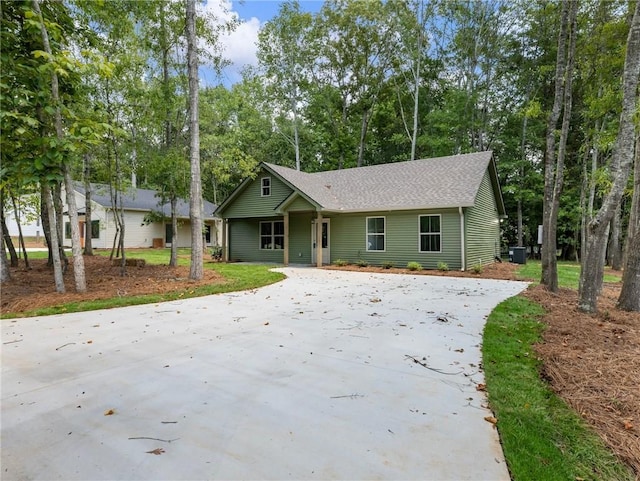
225 254
286 239
319 239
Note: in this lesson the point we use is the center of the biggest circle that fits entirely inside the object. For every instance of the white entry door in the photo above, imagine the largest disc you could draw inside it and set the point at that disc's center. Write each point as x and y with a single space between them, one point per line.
325 242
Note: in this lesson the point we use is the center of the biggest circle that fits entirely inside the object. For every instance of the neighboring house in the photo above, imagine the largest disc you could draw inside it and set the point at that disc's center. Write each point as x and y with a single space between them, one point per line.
431 211
137 204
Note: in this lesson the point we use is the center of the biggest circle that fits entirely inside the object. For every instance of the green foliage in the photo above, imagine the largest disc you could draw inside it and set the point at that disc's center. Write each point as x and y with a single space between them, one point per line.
387 265
341 262
443 266
568 273
541 436
414 266
477 269
362 263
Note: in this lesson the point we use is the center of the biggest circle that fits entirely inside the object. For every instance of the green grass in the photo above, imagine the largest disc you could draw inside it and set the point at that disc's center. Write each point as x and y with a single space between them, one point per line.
238 277
542 437
568 273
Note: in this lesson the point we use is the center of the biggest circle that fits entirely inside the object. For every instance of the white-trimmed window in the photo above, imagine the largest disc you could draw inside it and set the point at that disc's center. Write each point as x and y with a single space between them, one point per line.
430 233
272 235
265 186
376 233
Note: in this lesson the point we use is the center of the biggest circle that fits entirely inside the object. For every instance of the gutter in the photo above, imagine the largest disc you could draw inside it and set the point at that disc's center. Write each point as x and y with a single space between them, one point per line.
462 241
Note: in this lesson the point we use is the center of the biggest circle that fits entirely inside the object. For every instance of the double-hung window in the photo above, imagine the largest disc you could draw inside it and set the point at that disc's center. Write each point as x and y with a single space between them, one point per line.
272 235
375 233
265 186
430 233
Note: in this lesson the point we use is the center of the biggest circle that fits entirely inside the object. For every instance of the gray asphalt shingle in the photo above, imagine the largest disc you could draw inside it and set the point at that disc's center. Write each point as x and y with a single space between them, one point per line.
441 182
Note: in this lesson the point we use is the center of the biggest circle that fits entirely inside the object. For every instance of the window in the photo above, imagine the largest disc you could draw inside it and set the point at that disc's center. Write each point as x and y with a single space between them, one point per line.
430 235
272 235
95 229
375 233
265 186
67 230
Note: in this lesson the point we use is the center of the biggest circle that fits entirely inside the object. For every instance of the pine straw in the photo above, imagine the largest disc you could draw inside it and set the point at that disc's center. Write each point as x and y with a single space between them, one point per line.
593 363
34 289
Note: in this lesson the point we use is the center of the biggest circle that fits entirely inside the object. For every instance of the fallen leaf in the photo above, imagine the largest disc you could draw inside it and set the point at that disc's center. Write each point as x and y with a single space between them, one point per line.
628 424
89 342
459 350
156 451
491 419
481 387
375 299
266 323
109 412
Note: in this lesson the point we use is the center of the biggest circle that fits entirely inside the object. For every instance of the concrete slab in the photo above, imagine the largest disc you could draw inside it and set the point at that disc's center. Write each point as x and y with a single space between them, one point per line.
309 378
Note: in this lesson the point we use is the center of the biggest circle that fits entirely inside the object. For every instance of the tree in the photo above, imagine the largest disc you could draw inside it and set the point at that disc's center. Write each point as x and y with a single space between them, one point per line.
554 161
592 272
196 271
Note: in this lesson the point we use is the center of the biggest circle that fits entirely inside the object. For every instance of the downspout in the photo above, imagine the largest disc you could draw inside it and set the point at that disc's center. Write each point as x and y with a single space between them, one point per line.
462 240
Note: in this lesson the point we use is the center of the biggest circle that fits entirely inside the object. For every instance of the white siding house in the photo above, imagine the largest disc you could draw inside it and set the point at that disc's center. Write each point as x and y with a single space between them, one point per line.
136 205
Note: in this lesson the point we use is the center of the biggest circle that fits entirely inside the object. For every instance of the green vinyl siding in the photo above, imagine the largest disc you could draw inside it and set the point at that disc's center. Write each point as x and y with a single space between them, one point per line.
300 204
482 232
300 238
244 242
251 203
349 236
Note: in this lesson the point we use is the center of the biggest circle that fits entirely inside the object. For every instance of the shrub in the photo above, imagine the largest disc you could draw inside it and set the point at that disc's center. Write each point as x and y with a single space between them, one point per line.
443 266
340 262
362 263
477 269
414 266
387 265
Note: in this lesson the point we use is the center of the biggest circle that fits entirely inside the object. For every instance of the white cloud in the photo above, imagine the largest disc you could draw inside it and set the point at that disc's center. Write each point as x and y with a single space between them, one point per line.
239 46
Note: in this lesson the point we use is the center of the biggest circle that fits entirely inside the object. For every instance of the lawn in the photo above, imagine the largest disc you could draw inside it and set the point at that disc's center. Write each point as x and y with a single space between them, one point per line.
568 273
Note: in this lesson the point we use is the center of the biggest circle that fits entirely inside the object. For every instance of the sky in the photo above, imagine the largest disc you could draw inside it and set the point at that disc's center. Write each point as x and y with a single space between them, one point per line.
240 46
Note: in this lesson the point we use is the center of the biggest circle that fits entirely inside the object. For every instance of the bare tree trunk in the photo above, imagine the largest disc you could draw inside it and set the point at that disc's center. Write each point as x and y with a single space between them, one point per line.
5 273
53 237
196 271
363 134
173 260
621 162
88 243
58 209
6 237
629 299
548 255
614 248
20 236
78 261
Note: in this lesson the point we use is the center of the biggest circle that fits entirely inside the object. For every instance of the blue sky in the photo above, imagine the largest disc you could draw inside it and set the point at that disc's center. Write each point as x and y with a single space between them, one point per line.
240 46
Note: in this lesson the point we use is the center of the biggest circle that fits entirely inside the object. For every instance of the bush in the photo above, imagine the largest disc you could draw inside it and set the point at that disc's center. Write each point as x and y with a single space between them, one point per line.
414 266
477 269
443 266
340 263
387 265
362 263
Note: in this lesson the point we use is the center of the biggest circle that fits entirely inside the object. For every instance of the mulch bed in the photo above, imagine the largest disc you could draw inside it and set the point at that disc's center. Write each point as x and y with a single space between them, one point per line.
591 361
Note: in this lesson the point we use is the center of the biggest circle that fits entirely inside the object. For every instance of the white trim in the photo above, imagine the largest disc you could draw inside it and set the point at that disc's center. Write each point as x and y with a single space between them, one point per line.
384 234
325 220
420 233
262 186
463 253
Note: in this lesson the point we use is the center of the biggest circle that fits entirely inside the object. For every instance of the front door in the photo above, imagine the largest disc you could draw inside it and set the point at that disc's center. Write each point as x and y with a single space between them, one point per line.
326 259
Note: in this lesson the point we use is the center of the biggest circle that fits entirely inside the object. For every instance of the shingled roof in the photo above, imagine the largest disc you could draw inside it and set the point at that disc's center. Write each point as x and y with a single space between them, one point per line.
144 200
442 182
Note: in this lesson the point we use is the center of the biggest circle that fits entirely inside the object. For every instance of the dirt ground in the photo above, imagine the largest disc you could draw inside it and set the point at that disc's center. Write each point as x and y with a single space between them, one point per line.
593 362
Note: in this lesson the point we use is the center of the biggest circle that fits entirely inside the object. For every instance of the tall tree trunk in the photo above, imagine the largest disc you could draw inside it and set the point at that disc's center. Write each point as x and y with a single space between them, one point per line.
78 260
629 299
59 226
5 273
6 237
363 135
173 259
549 261
53 237
88 243
196 271
614 248
20 236
621 162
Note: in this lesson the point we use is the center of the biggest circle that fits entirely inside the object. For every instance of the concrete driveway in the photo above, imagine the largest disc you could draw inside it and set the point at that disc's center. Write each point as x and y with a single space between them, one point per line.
310 378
